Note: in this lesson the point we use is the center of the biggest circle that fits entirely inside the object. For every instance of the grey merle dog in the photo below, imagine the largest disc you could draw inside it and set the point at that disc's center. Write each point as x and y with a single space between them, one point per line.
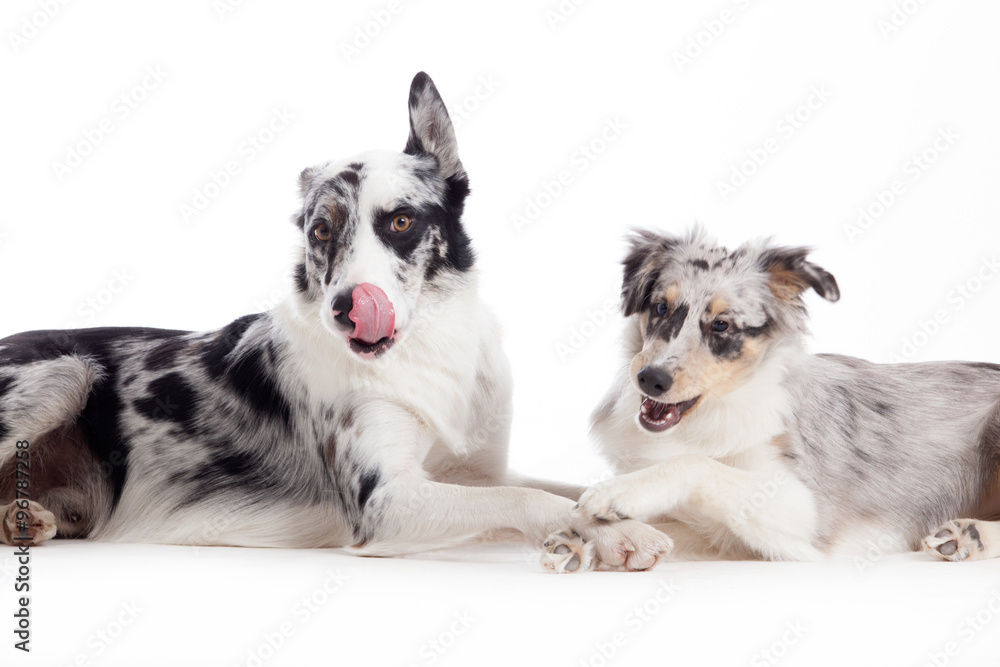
370 410
739 444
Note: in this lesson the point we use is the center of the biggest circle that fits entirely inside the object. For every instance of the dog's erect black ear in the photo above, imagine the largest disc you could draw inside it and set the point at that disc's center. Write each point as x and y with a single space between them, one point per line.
431 131
642 265
792 274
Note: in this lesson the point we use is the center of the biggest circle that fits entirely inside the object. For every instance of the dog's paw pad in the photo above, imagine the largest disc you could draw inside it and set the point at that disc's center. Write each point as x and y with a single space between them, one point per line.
955 541
28 526
630 546
567 552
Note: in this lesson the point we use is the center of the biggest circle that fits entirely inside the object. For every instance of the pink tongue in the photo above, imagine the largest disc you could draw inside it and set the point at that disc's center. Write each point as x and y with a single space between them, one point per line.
373 314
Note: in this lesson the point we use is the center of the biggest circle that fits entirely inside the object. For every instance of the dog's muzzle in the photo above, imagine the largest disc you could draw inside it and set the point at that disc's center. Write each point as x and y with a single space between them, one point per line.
368 318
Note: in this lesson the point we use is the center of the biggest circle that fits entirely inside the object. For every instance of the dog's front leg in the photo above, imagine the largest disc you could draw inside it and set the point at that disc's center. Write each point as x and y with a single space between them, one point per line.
658 490
374 458
779 524
413 514
410 513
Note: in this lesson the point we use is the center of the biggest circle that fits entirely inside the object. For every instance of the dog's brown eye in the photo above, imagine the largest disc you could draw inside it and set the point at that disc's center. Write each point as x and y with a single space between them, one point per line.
720 325
322 232
401 223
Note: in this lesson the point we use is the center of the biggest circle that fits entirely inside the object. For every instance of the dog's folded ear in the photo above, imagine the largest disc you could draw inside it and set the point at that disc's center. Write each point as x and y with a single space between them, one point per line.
791 274
647 255
431 131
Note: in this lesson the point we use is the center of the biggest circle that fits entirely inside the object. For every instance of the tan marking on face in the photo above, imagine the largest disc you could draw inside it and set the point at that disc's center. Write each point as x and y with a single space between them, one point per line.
336 214
699 372
670 295
723 376
717 305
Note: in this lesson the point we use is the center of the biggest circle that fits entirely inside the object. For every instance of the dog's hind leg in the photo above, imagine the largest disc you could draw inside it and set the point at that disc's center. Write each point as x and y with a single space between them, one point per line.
39 397
979 538
964 539
38 403
26 523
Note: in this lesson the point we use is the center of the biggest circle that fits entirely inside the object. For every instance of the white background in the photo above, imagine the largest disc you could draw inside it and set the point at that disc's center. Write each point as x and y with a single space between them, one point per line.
895 76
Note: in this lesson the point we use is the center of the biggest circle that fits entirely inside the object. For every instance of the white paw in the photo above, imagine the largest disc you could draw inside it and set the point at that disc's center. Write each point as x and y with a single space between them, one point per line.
27 527
607 501
627 545
956 540
567 551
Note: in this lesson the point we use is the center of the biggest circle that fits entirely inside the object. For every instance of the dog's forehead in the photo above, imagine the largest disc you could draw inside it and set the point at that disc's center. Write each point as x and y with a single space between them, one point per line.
380 179
710 277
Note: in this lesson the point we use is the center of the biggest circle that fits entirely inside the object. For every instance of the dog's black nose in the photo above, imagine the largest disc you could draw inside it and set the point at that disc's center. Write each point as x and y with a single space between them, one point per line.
653 381
343 303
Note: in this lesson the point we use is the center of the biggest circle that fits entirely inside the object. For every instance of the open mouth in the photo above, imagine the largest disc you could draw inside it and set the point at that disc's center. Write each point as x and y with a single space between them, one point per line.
371 350
655 416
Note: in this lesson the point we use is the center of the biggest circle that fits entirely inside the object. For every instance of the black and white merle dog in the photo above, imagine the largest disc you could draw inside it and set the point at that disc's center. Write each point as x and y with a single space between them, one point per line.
739 444
371 409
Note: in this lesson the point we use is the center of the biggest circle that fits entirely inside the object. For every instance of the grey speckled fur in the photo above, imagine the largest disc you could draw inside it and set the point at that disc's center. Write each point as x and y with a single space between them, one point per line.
718 398
902 443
